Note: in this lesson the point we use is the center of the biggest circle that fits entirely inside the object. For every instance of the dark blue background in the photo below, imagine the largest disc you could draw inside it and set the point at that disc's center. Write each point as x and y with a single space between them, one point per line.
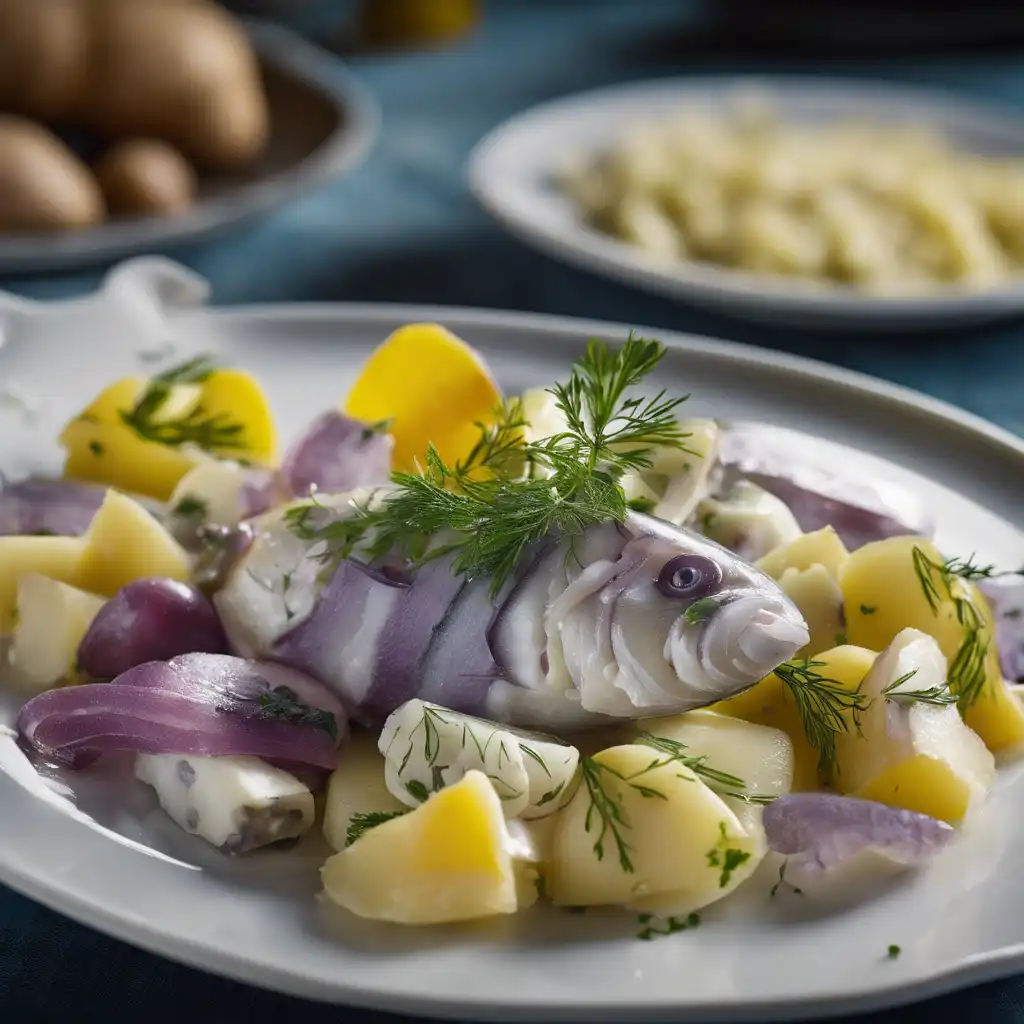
403 228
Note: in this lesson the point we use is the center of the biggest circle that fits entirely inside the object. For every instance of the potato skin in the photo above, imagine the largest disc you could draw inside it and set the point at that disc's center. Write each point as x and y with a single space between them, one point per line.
182 72
146 177
43 57
44 186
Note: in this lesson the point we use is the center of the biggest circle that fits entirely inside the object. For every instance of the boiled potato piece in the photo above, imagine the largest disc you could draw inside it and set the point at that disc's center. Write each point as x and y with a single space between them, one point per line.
770 703
432 386
213 487
52 618
45 186
758 755
823 547
615 845
106 453
58 558
102 448
141 177
883 594
449 859
124 543
816 593
909 753
356 787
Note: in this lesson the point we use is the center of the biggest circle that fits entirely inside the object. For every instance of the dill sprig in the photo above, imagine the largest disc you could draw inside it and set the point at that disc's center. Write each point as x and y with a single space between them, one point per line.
723 783
484 510
195 427
967 673
939 696
826 707
360 823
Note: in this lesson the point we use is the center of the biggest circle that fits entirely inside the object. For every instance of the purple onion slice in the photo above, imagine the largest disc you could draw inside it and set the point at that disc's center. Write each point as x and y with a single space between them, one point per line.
201 704
1006 595
819 831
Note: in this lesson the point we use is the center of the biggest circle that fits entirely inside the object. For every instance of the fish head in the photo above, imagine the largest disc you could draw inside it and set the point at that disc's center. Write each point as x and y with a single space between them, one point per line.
677 622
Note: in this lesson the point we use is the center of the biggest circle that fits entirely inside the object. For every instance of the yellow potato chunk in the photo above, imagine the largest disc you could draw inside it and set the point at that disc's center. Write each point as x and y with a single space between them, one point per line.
642 826
356 787
883 594
51 621
816 594
55 557
447 860
771 703
124 543
432 386
823 547
101 447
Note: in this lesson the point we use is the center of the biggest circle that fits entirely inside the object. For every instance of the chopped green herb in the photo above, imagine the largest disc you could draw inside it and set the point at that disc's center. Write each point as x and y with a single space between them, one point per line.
653 927
782 882
417 790
380 427
492 513
361 823
645 505
936 695
725 858
701 610
967 671
894 951
96 448
868 609
191 507
283 703
839 640
195 427
822 705
1013 614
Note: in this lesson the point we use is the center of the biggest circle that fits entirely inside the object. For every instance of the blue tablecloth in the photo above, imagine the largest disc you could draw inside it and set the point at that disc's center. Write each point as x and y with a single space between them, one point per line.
403 228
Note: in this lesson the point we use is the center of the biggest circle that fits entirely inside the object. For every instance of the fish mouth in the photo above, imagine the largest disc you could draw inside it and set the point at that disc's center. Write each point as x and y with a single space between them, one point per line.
748 638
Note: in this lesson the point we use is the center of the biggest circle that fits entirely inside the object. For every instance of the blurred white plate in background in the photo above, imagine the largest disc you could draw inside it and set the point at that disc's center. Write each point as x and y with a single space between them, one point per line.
513 173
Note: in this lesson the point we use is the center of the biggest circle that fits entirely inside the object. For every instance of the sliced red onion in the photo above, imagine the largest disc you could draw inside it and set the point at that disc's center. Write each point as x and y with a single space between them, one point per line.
824 484
38 505
150 619
819 831
337 454
1006 595
262 489
198 704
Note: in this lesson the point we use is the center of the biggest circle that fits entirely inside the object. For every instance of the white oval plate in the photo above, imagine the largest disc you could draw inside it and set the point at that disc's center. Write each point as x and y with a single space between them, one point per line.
112 860
512 173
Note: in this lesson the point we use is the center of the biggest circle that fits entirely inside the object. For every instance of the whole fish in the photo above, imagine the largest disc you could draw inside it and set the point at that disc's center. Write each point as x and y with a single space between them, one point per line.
625 620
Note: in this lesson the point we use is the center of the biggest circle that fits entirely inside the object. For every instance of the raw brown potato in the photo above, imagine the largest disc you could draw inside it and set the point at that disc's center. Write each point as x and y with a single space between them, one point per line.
146 176
43 57
43 185
183 72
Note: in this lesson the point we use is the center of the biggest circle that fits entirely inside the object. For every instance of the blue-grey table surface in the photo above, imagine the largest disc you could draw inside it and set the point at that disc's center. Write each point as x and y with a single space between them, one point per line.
404 228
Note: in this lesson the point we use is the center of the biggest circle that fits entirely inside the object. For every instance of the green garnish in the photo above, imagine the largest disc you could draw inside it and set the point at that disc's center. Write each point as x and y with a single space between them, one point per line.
195 427
96 448
721 782
645 505
867 609
191 508
937 695
727 859
782 882
839 640
653 927
282 703
822 704
361 823
487 512
380 427
701 609
967 675
417 790
894 951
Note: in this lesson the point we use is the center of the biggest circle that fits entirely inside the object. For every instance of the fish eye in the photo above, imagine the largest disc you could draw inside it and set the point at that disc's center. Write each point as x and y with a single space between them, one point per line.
690 576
